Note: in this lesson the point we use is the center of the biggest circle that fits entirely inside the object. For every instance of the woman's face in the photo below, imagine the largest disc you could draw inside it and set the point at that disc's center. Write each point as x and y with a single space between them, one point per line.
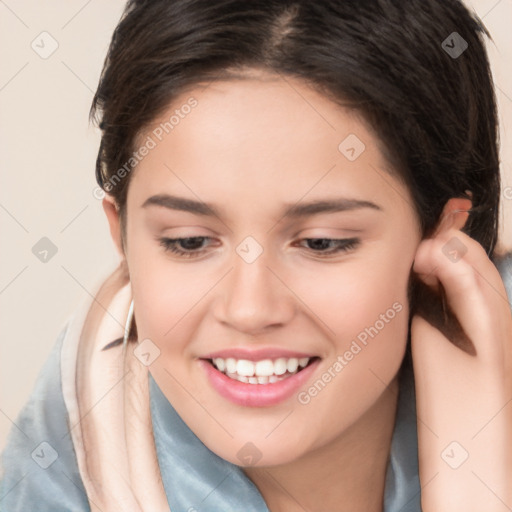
249 171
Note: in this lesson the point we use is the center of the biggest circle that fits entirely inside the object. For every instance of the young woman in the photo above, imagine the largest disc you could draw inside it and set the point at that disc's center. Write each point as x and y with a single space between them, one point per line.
307 314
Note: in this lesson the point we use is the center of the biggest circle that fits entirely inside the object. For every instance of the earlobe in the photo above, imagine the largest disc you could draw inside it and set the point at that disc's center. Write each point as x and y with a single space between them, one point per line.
112 213
454 215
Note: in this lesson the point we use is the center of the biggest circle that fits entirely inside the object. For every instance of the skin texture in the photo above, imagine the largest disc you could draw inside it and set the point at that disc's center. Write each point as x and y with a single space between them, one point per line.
249 147
464 392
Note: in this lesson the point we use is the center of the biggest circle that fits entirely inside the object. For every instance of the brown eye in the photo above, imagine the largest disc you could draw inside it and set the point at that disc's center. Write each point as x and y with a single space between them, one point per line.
330 246
189 245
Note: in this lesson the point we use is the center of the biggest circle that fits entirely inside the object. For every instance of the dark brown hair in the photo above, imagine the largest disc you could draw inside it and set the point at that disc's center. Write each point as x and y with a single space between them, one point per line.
433 108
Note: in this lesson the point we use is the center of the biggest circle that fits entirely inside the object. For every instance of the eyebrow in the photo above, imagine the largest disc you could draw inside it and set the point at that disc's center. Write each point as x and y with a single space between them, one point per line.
301 209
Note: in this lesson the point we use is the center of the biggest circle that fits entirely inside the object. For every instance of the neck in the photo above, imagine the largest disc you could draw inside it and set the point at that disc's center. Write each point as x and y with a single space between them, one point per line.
347 474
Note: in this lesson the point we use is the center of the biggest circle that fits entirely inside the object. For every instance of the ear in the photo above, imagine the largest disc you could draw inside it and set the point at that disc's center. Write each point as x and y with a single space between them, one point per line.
454 215
112 213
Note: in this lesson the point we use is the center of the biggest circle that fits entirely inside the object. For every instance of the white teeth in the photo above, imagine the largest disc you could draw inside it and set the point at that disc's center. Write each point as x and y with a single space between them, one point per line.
280 366
292 365
245 368
264 368
265 371
230 365
220 364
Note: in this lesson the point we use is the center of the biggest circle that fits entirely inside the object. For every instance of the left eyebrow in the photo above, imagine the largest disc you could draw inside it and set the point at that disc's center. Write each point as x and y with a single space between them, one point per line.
182 204
291 210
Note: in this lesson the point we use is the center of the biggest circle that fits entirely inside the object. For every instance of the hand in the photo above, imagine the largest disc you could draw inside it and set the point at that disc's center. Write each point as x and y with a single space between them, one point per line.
463 375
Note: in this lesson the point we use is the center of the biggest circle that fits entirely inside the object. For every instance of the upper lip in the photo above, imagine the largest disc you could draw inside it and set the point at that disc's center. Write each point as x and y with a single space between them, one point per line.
256 355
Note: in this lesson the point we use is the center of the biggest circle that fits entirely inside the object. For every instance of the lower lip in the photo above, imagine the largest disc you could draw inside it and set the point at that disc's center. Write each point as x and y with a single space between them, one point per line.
256 395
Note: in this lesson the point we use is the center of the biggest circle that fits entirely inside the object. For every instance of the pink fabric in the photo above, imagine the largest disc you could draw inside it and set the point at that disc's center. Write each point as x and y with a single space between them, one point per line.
107 398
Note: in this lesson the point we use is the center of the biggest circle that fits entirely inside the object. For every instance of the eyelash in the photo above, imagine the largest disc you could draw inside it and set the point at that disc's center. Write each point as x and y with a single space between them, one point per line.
170 245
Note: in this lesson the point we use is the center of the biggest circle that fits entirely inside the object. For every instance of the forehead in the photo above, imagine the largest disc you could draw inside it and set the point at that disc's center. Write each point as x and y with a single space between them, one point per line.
275 111
270 138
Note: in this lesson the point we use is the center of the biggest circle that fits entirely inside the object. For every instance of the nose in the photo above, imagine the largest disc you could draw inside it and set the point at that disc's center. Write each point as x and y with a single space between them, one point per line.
254 299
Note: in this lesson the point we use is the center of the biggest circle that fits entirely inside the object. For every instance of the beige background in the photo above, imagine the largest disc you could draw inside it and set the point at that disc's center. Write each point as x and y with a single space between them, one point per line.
47 165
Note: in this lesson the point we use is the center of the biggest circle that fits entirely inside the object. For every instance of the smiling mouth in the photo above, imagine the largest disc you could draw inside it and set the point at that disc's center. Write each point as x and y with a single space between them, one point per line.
266 371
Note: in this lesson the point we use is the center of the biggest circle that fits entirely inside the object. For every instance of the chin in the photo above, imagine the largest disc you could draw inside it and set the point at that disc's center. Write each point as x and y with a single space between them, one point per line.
259 452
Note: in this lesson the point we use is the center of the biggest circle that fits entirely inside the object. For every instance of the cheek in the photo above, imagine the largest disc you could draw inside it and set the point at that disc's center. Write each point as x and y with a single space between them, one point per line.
154 285
357 294
168 298
366 307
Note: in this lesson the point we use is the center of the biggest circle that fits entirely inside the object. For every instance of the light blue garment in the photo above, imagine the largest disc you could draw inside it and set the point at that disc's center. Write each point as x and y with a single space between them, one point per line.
25 485
195 479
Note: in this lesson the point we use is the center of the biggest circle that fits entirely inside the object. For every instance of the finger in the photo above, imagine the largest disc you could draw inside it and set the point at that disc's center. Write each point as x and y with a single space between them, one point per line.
430 351
460 247
443 260
472 284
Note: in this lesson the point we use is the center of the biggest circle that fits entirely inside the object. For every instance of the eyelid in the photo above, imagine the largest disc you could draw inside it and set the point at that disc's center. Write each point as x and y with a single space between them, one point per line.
342 245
